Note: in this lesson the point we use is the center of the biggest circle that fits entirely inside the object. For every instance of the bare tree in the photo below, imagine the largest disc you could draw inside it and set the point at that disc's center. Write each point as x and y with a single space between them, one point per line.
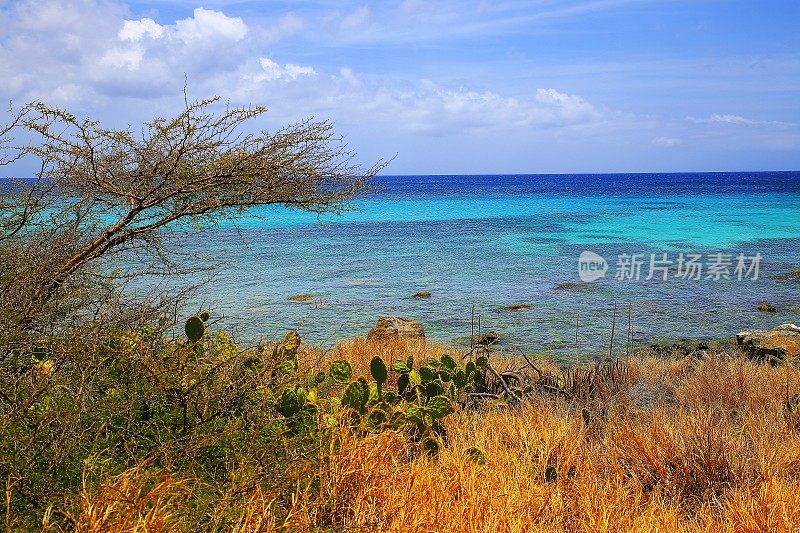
101 195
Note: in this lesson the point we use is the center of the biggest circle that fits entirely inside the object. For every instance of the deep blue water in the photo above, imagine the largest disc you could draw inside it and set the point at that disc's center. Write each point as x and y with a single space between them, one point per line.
491 241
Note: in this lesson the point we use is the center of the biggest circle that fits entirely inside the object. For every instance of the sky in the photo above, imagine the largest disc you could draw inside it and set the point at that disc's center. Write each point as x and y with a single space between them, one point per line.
440 87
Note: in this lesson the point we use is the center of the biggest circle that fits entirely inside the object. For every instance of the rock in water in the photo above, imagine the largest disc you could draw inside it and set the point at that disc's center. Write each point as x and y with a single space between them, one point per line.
516 307
396 327
765 307
794 275
421 295
488 339
301 298
772 345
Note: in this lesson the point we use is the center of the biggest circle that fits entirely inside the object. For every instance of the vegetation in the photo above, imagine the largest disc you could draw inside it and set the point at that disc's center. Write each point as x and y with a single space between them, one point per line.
115 417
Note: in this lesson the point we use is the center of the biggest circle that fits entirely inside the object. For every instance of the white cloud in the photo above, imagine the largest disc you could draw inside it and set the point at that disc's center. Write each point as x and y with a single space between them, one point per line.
716 118
125 58
207 24
272 71
356 19
666 142
135 30
286 26
569 106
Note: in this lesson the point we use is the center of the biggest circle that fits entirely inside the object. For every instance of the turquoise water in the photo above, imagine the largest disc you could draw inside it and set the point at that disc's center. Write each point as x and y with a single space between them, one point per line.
490 241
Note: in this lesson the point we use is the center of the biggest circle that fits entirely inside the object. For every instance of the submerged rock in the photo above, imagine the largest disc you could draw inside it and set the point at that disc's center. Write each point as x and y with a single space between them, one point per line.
794 275
678 349
421 295
765 307
772 345
515 307
396 327
573 286
301 298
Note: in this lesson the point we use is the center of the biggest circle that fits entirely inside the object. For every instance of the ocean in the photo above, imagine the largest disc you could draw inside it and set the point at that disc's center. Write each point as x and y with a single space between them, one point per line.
496 240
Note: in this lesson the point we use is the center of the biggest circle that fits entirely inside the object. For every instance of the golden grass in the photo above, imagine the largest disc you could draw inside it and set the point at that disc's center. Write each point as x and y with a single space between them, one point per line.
692 446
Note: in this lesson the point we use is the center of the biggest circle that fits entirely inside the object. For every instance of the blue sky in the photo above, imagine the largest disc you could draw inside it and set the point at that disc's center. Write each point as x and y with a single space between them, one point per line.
449 87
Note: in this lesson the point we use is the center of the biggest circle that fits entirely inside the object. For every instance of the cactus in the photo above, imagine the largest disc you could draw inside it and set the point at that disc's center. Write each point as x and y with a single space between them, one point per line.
426 374
292 402
448 363
434 388
204 316
439 407
291 343
341 371
476 455
400 366
550 474
194 329
378 370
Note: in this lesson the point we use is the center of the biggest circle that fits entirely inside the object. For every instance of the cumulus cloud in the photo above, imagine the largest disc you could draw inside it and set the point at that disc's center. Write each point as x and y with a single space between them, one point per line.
135 30
207 24
111 56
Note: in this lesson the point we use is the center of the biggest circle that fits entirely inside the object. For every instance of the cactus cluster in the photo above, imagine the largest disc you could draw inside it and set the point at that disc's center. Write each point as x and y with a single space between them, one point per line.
422 397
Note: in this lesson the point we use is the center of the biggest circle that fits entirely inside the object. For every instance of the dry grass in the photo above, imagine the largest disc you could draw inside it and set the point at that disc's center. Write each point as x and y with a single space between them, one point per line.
691 445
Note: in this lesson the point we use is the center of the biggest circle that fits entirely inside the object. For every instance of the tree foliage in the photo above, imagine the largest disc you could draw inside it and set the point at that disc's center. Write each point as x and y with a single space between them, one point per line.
105 195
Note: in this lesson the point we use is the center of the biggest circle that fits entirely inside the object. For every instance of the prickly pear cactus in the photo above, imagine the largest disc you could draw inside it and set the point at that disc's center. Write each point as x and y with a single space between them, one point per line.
341 371
378 370
194 328
439 407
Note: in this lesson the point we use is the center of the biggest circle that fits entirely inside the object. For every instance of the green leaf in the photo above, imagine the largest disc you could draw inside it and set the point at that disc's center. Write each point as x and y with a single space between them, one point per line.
390 397
341 371
402 383
378 370
373 395
416 415
477 455
414 378
449 363
460 379
431 445
439 407
291 342
291 402
354 397
469 368
289 366
426 374
194 328
481 361
377 418
400 366
433 388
